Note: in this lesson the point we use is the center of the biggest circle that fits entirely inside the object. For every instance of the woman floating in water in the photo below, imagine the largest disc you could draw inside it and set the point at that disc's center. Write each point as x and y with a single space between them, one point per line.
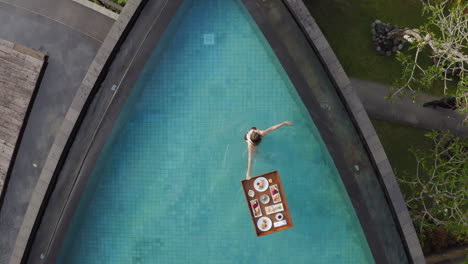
254 137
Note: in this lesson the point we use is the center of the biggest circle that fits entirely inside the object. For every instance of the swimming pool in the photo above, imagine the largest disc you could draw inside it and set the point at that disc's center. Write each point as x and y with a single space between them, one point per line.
166 187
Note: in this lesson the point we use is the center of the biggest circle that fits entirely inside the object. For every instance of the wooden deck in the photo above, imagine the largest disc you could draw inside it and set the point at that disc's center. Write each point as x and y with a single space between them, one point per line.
20 70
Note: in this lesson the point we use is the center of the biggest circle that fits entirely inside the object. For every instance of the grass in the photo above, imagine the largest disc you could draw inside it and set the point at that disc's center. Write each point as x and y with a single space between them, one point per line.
396 140
97 2
347 23
120 2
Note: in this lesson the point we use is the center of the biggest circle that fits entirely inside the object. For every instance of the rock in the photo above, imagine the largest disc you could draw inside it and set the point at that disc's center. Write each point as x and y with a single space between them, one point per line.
384 44
400 47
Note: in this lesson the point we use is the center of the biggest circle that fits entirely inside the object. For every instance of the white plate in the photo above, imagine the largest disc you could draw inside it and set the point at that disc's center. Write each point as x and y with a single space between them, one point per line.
268 224
265 184
280 223
264 199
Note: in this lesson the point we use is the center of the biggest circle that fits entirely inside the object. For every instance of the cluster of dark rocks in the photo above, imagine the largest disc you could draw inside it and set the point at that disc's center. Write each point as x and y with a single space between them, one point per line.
385 44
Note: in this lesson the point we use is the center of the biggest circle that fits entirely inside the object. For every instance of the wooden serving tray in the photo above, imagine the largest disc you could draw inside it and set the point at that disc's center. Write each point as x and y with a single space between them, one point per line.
276 204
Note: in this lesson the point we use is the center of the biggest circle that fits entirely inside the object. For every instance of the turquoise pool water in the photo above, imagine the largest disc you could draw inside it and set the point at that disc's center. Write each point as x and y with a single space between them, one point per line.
166 188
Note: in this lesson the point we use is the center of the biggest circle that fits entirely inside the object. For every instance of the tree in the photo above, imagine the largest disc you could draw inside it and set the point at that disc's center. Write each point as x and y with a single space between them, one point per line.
436 195
444 38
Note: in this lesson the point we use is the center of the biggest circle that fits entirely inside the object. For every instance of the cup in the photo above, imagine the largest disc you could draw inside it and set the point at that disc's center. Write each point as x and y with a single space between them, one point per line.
279 216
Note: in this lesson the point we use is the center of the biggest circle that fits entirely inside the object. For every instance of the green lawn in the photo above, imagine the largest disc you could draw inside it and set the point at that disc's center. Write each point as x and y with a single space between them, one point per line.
347 23
396 140
120 2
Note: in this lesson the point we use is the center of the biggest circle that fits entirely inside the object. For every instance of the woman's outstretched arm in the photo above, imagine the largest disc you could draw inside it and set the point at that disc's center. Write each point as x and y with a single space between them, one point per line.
273 128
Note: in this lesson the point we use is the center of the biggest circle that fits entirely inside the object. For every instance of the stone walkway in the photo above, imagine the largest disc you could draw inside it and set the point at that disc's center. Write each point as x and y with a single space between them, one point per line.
74 16
20 70
404 111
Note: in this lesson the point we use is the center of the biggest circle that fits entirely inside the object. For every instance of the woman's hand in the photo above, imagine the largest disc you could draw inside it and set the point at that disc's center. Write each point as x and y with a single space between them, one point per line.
287 123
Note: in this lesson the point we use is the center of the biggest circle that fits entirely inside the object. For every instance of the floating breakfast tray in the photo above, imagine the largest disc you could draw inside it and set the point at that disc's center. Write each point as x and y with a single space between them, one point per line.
267 203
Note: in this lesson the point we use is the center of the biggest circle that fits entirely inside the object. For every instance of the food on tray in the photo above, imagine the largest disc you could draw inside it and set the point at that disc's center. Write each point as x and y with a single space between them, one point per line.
256 208
275 193
264 224
274 208
265 199
279 223
261 184
268 205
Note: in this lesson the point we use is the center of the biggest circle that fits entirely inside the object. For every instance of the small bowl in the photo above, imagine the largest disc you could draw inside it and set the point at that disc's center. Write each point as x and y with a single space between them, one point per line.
251 193
279 217
265 199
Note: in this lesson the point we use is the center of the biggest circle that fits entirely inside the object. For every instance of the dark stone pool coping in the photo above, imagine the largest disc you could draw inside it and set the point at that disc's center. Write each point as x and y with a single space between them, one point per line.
362 122
62 140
